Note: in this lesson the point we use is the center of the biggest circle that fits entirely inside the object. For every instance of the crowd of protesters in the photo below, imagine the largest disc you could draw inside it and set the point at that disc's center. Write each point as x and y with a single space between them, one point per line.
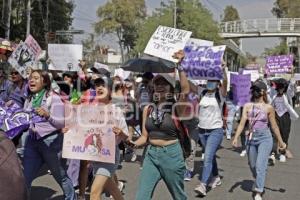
145 105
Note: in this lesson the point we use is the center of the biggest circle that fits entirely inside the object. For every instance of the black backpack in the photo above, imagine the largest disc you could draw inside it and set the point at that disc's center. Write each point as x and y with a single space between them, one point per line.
12 181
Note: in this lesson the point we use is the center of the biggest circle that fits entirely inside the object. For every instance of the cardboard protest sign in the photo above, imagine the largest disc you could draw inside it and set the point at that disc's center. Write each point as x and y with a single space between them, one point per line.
199 42
252 66
279 64
203 62
241 88
165 41
254 74
25 55
65 57
297 77
90 135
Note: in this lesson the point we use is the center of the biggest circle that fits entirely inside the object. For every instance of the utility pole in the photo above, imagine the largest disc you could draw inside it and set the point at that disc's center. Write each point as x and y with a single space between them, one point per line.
175 13
3 10
7 23
28 17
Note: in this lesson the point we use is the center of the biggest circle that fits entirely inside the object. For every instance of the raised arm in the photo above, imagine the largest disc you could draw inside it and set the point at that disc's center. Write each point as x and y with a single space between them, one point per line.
225 81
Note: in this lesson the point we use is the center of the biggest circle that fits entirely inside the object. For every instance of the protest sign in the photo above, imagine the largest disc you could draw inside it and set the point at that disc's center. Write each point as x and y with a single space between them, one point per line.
199 42
203 62
65 57
122 73
254 74
252 66
166 41
297 77
279 64
90 135
25 55
241 88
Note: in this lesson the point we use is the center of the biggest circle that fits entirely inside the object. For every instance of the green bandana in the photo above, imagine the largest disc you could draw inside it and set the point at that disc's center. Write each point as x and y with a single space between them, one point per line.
37 98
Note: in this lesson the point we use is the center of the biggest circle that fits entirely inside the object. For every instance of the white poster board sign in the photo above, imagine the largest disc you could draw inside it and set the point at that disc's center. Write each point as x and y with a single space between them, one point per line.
65 57
199 42
254 74
166 41
90 135
122 74
25 56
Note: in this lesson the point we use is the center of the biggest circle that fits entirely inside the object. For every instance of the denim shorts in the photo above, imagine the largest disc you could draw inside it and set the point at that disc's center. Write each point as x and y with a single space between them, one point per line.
107 169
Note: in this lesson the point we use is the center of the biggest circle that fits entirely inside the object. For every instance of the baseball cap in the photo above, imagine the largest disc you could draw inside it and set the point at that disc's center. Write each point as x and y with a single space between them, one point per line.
260 85
167 77
104 81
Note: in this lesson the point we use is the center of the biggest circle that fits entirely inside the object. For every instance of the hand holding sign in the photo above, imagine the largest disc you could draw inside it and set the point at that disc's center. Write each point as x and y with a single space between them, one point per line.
165 41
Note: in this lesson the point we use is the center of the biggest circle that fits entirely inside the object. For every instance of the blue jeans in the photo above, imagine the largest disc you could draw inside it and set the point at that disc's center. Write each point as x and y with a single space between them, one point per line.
211 140
47 150
230 118
164 163
259 149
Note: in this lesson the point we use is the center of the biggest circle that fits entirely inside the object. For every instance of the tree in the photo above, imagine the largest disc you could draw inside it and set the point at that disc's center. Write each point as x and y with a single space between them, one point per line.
280 49
286 8
230 14
192 16
121 18
59 18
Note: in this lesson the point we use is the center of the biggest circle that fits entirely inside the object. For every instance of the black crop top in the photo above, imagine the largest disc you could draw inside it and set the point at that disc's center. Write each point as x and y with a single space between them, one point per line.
166 130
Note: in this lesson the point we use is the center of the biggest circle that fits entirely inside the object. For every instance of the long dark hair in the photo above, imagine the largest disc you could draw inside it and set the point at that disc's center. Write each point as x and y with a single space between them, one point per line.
257 93
46 81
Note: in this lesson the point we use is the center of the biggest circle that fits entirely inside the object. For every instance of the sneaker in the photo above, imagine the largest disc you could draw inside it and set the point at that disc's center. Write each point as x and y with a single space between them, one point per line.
258 197
187 175
134 157
201 190
243 153
121 186
228 137
282 158
272 159
202 156
215 181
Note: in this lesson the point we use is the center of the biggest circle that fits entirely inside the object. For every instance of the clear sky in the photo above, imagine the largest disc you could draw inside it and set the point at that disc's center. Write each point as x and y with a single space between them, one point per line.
85 14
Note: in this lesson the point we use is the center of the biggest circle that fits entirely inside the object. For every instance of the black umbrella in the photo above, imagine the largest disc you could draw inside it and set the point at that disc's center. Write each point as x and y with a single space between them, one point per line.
148 63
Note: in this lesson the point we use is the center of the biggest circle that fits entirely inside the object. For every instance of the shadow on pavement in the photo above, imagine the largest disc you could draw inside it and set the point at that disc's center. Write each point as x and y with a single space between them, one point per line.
42 193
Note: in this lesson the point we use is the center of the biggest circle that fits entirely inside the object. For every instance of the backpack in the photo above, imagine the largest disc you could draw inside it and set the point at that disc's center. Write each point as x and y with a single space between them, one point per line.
12 184
224 109
183 135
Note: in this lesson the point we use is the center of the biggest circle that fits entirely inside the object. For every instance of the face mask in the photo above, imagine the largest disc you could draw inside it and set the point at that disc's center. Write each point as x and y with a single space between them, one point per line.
211 85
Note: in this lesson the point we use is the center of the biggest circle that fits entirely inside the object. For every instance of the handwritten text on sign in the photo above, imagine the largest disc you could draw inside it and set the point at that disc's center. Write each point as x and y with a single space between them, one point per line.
241 88
165 41
203 62
279 64
90 135
65 57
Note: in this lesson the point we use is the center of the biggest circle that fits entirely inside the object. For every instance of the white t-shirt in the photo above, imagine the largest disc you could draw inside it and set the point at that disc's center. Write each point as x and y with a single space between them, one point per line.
210 113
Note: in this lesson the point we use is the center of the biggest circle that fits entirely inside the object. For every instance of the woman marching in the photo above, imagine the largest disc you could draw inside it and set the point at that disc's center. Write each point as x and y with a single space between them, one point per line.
164 157
211 131
45 140
284 111
260 115
104 172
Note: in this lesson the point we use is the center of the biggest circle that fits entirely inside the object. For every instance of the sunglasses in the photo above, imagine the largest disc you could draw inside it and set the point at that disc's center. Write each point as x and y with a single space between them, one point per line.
14 73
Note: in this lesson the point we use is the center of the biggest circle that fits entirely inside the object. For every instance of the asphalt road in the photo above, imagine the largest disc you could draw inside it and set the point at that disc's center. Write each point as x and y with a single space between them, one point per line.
282 180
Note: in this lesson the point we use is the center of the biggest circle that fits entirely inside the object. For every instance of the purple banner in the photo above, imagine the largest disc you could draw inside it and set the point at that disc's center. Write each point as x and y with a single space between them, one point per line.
241 88
279 64
14 120
204 63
